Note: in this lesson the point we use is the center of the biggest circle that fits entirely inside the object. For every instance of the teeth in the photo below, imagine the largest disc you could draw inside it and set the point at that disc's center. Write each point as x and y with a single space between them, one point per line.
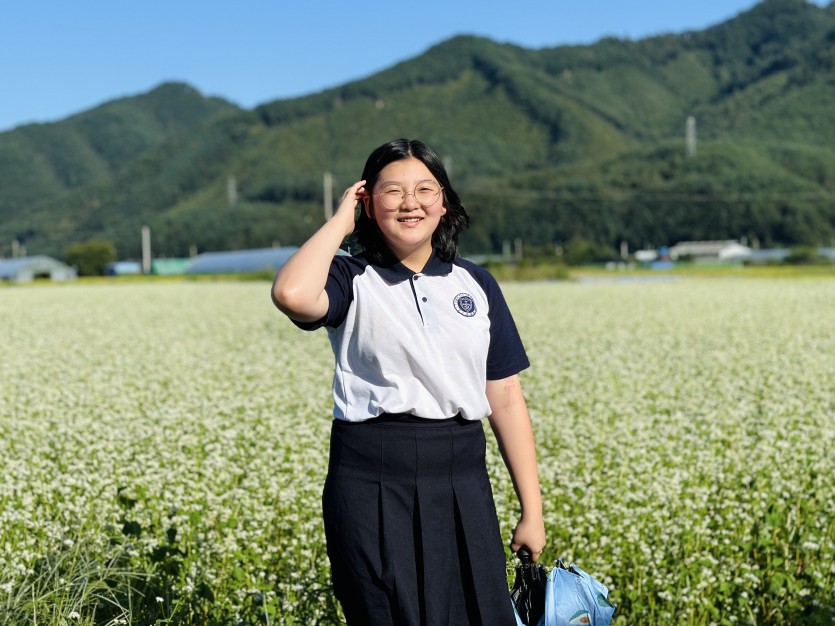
409 219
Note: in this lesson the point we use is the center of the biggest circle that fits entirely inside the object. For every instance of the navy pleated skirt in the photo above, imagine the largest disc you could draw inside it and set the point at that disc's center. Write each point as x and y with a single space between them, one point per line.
411 526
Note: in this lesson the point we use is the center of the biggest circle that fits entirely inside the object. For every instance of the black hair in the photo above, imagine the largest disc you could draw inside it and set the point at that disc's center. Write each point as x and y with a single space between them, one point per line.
455 220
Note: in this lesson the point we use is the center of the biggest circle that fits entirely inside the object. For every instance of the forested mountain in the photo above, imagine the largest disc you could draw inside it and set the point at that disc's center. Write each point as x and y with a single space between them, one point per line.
43 160
543 145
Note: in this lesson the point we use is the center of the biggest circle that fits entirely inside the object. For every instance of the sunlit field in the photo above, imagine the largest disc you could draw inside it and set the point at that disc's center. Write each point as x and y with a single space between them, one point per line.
163 448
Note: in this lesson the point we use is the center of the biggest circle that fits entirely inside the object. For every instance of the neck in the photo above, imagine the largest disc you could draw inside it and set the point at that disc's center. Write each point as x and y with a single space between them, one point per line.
415 260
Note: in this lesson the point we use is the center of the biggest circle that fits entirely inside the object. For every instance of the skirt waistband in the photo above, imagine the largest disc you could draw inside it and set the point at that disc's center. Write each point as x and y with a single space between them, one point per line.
406 448
407 419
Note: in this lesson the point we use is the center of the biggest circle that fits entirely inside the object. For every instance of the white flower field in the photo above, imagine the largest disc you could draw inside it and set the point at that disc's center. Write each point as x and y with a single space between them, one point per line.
164 444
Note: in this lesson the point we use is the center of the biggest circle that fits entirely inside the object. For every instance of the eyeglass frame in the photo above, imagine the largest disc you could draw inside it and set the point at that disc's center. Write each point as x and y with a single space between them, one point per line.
412 193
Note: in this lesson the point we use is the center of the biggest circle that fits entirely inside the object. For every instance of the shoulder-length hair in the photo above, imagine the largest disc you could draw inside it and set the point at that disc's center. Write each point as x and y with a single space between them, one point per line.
455 220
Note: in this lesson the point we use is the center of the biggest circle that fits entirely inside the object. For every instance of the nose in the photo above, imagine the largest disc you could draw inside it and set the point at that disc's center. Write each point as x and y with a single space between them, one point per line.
410 204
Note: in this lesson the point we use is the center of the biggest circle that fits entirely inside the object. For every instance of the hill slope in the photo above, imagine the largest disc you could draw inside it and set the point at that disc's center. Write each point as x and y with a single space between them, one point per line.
45 160
543 144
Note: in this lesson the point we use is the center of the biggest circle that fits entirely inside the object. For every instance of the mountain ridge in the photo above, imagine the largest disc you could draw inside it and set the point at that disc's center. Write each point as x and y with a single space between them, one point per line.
596 126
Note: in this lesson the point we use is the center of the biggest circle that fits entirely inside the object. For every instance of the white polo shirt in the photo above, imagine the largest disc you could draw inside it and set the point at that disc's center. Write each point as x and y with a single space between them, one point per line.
417 343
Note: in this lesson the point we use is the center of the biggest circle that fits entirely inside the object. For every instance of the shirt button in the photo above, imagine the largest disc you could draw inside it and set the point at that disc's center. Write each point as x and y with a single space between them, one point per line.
415 277
424 299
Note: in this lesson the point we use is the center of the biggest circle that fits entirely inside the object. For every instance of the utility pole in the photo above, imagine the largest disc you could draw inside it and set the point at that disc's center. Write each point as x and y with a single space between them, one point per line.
232 191
690 136
327 184
146 250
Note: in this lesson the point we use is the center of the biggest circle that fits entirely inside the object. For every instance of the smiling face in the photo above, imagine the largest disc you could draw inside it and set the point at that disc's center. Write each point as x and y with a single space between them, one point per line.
408 225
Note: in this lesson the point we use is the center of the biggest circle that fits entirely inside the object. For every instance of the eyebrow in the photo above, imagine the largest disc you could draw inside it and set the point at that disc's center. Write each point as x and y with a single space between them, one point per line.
398 182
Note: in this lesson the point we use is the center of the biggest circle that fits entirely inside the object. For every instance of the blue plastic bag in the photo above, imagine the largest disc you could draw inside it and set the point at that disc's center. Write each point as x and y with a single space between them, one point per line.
574 597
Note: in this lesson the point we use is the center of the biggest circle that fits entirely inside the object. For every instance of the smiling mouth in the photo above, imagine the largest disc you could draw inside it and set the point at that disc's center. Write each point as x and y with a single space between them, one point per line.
410 220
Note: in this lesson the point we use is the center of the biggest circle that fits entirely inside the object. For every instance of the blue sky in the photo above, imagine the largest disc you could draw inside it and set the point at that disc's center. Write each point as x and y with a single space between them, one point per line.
58 57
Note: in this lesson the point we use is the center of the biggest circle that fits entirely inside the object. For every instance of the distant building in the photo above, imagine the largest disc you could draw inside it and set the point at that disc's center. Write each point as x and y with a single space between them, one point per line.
728 250
646 256
26 269
123 268
769 255
829 253
159 267
240 261
779 255
169 267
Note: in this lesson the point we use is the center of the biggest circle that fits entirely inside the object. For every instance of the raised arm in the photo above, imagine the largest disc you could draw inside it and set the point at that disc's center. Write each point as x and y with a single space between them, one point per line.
512 426
299 286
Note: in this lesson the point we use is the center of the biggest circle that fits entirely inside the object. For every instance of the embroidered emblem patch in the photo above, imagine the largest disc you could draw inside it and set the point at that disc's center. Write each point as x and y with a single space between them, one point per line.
464 304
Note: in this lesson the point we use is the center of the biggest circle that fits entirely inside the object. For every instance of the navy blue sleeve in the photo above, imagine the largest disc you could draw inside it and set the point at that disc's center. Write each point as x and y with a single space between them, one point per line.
506 355
340 289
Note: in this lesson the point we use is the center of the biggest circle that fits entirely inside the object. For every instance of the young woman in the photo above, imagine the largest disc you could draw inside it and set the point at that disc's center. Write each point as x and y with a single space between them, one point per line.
425 347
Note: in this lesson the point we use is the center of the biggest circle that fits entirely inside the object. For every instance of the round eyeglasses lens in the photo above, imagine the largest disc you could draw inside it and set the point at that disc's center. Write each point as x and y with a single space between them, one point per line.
425 193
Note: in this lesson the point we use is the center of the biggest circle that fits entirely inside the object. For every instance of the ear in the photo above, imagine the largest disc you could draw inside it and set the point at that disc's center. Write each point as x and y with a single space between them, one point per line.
366 205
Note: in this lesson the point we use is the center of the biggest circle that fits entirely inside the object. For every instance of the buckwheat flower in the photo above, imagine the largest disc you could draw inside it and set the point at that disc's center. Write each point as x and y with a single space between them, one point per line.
159 600
75 615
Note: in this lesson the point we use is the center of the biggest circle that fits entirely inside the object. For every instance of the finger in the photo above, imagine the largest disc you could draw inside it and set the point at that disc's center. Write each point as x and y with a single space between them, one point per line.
354 189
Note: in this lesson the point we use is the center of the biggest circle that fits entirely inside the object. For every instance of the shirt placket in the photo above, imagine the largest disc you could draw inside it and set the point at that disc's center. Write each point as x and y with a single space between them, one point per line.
423 300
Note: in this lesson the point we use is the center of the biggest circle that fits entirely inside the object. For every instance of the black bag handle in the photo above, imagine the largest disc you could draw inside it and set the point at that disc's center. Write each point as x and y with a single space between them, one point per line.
525 555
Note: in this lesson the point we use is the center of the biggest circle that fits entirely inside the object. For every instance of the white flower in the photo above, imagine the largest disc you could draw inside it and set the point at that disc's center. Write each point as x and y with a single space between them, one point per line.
669 419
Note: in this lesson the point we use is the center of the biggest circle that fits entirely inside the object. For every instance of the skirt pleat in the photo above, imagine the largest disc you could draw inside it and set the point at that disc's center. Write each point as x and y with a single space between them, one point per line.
438 546
411 525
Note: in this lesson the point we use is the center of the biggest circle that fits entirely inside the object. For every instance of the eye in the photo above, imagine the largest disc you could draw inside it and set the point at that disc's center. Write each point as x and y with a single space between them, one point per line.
392 191
428 186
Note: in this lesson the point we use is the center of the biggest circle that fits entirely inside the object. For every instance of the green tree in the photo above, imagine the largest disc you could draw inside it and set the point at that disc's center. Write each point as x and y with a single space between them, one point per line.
580 251
91 257
805 255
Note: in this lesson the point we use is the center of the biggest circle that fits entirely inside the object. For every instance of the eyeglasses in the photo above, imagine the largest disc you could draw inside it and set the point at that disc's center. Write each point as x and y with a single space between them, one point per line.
425 193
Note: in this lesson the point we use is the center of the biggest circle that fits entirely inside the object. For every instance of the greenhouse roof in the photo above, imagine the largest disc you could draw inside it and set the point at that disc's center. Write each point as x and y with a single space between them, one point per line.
240 261
12 269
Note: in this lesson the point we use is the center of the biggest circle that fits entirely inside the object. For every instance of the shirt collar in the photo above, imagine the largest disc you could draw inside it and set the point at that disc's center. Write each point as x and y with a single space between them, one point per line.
393 271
